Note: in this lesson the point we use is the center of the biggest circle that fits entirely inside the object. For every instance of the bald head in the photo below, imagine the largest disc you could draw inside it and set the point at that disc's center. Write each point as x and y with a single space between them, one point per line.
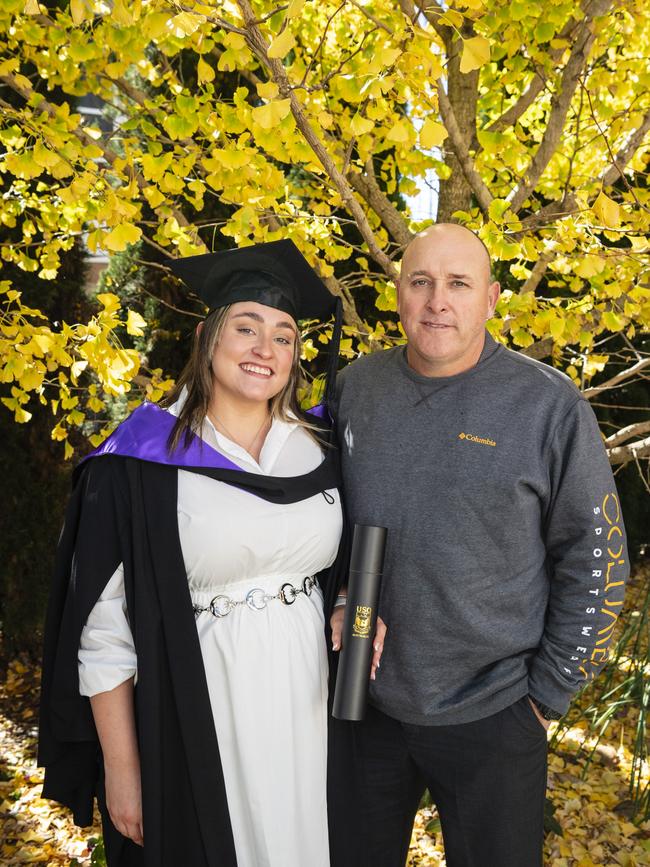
448 236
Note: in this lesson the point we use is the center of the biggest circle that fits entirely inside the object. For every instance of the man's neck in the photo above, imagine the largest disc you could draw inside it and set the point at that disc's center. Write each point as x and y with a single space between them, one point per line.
447 367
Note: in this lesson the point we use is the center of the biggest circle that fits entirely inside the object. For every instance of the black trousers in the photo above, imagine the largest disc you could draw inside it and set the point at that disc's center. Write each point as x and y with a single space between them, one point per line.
487 779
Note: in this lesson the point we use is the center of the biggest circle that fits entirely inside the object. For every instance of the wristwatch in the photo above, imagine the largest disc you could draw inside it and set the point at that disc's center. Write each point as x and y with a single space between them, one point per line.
547 712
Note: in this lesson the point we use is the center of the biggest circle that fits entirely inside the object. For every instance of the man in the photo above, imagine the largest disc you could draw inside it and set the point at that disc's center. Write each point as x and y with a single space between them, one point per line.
505 564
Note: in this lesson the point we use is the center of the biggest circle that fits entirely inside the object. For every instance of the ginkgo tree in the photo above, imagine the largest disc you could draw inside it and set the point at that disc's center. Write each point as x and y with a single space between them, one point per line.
321 121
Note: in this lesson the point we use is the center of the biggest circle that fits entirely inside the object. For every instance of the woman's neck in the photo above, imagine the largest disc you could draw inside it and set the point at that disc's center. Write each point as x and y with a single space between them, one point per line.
245 423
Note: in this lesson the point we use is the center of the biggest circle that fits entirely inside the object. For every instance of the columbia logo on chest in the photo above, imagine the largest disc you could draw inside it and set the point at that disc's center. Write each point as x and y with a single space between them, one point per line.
473 438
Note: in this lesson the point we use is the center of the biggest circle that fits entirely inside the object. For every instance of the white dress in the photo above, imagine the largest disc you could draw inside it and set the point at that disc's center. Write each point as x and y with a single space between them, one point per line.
267 669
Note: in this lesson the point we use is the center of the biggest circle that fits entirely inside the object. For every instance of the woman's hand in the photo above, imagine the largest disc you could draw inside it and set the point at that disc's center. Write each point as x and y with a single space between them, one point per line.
336 624
115 721
378 646
124 801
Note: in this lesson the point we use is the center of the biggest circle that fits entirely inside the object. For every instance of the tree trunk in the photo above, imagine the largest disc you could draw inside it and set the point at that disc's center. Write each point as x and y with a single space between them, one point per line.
462 89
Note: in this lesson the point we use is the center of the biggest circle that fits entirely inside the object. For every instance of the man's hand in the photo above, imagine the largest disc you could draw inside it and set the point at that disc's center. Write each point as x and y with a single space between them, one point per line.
545 722
124 801
336 623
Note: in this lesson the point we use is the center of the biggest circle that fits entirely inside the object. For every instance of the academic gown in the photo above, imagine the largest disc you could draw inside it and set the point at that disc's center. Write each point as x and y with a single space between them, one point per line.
123 509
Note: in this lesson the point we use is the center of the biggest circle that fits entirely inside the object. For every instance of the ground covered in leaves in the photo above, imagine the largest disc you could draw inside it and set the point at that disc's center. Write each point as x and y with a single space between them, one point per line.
589 798
32 830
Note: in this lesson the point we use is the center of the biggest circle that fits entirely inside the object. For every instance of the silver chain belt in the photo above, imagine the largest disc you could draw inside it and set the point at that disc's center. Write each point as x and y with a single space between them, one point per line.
256 599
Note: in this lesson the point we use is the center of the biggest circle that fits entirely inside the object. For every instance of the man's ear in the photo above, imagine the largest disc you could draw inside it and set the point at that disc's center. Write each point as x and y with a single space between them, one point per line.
494 290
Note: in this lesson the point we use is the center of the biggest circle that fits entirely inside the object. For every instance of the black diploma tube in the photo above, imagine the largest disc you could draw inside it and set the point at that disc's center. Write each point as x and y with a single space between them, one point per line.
366 566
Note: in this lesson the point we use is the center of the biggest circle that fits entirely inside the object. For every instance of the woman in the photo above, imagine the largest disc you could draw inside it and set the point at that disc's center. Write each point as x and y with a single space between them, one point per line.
187 565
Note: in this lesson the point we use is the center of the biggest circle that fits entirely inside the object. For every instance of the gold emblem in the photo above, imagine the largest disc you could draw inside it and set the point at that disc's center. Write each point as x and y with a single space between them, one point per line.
361 626
472 438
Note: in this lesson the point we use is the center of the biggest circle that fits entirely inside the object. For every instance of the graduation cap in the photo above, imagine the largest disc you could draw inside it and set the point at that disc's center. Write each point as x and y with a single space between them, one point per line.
275 274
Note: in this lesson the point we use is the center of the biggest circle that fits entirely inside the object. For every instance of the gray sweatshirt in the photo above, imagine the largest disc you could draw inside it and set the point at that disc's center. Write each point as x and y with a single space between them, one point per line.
506 556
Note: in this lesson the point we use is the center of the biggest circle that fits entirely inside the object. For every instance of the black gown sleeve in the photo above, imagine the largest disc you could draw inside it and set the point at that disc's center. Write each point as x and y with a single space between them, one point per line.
93 542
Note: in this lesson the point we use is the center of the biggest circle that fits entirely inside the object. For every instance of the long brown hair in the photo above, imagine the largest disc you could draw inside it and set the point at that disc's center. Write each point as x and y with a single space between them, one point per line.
196 380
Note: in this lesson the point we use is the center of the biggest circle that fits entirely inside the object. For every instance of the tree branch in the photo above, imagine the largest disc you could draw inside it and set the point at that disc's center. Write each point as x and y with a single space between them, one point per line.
625 154
620 377
366 185
409 10
560 105
444 32
626 433
539 349
10 80
632 452
349 309
528 97
539 269
376 21
108 154
215 19
259 47
568 205
511 115
475 181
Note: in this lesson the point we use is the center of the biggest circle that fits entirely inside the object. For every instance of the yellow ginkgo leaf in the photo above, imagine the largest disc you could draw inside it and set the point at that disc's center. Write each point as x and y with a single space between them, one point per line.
612 321
432 133
32 8
476 52
9 65
590 265
607 211
43 341
269 115
153 196
267 89
135 323
282 44
399 132
44 156
360 125
295 8
556 326
121 14
78 11
184 24
110 301
639 243
121 236
31 379
204 71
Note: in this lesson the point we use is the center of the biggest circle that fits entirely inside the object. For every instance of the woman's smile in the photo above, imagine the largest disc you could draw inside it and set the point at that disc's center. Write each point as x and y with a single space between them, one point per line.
256 370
